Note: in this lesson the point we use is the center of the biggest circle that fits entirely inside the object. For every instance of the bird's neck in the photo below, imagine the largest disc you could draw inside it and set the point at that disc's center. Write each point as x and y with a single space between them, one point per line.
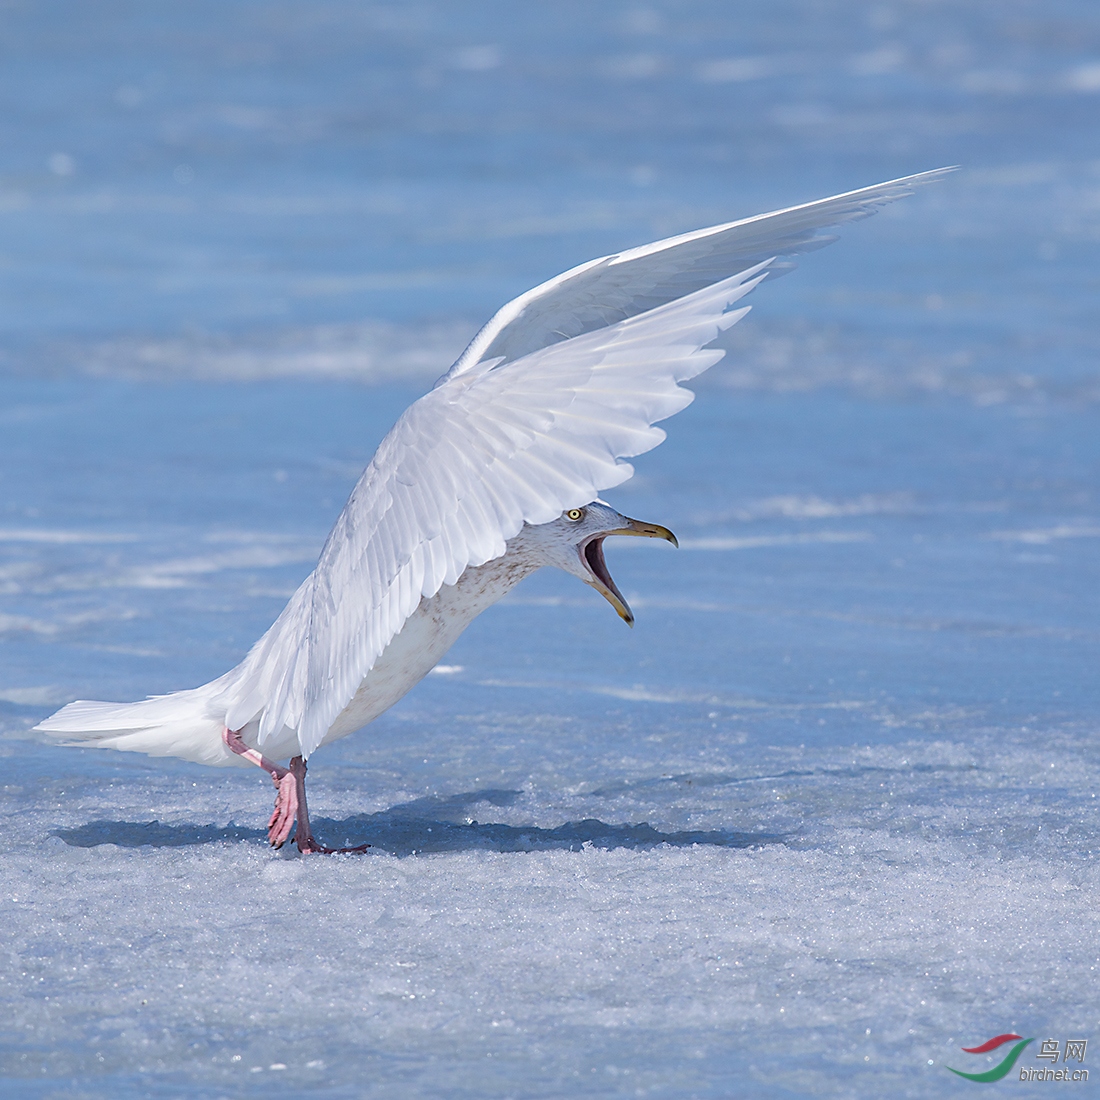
483 585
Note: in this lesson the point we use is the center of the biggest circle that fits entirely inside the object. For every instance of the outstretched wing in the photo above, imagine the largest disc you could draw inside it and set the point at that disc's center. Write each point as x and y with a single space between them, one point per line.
515 438
460 473
612 288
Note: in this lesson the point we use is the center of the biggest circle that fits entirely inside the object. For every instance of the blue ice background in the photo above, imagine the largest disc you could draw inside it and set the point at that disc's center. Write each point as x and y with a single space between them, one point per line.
826 815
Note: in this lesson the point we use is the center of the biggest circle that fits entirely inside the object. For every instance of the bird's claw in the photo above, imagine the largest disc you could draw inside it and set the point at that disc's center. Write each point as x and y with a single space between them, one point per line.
289 807
311 846
286 810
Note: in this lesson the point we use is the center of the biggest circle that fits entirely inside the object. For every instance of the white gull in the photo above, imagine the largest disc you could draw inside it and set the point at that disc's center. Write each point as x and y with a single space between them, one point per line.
494 473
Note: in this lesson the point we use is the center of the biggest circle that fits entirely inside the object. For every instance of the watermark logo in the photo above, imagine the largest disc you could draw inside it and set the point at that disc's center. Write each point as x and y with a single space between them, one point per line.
1050 1050
1003 1068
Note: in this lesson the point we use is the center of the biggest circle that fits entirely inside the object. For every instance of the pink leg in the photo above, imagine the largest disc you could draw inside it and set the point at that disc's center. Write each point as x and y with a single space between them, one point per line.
304 836
286 800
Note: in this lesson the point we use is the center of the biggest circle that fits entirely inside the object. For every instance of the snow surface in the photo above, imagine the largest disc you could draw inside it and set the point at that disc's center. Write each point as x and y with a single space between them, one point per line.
825 816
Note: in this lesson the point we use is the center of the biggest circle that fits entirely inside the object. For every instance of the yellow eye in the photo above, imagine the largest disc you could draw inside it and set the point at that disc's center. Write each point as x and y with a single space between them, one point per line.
574 514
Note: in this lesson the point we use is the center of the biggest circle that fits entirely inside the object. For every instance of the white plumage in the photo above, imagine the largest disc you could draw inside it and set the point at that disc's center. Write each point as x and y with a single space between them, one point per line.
535 418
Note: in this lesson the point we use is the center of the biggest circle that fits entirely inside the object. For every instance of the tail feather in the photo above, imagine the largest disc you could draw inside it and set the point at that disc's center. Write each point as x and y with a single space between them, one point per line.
186 724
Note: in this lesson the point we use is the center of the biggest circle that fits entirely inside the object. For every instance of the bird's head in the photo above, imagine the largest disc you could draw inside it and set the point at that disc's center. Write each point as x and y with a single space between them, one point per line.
574 542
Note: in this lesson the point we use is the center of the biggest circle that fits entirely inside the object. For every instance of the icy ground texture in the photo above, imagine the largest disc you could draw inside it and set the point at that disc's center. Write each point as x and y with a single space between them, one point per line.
825 816
850 958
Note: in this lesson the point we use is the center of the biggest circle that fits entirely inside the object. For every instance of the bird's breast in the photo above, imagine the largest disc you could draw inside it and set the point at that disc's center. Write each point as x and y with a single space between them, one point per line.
427 635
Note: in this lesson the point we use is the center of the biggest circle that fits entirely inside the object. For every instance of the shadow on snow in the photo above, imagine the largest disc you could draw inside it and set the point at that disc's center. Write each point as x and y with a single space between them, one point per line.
424 825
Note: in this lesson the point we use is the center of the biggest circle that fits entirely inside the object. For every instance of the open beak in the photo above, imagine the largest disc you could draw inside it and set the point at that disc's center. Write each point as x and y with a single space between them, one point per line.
592 552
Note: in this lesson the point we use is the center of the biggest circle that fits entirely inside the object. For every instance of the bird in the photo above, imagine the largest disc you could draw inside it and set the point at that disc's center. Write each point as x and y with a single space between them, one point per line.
494 473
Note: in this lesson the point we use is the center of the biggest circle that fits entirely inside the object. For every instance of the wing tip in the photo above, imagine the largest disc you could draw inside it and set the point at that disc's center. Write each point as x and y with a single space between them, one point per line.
879 194
929 175
860 203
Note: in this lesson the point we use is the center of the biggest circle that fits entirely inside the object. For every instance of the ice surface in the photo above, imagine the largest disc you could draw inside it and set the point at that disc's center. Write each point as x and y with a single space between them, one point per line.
825 816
